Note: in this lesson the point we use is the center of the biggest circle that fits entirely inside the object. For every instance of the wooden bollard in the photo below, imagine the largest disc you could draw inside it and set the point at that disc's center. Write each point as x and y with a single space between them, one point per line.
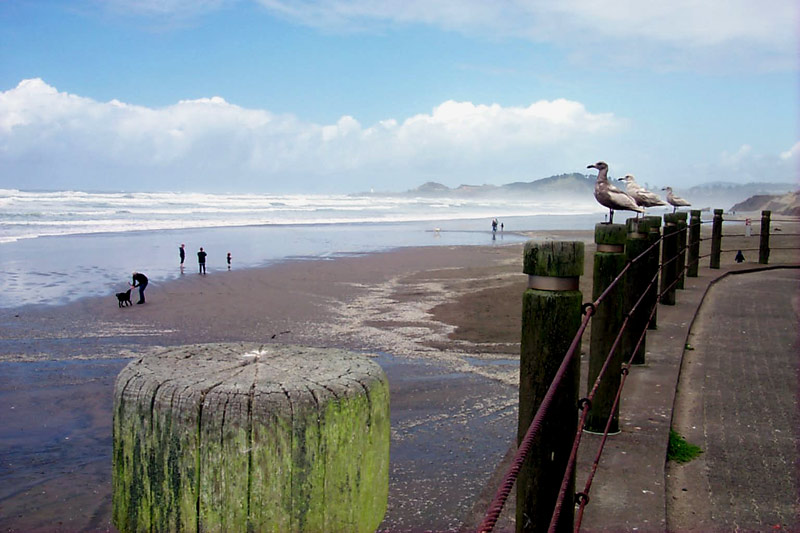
763 243
716 239
669 259
654 224
250 437
551 316
636 281
682 234
694 244
609 260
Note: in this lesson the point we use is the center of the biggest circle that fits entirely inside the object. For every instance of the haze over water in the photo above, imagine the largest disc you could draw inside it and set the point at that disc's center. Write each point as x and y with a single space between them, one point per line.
58 246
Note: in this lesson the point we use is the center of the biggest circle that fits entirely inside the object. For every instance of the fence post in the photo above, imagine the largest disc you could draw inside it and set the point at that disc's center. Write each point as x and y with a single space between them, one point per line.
551 316
694 244
636 281
669 259
716 238
763 247
609 260
653 263
681 248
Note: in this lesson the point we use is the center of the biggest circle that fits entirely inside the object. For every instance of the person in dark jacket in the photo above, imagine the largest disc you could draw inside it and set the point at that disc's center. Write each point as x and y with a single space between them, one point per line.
201 260
139 280
182 253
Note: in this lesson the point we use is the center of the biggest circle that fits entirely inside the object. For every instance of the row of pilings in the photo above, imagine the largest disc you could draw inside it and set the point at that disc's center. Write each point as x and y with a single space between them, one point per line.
636 267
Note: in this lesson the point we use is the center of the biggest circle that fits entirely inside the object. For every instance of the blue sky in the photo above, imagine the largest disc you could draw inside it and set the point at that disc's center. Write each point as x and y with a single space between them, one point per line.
351 95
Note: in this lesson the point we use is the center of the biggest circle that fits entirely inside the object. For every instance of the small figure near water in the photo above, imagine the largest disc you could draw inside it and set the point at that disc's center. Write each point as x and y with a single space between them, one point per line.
182 253
201 261
494 225
229 260
739 257
139 280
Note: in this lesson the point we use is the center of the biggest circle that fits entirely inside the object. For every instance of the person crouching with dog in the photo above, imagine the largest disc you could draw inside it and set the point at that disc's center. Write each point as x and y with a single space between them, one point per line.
139 280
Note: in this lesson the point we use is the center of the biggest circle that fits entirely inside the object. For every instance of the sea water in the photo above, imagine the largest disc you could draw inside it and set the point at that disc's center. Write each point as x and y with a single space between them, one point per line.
58 246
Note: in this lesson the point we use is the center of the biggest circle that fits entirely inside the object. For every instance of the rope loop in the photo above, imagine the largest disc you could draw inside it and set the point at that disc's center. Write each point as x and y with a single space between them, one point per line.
581 498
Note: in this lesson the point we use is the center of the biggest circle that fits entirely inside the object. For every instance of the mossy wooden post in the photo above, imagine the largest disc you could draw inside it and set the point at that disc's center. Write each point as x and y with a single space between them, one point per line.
654 225
250 437
669 259
694 244
609 260
682 233
551 316
716 239
636 281
763 244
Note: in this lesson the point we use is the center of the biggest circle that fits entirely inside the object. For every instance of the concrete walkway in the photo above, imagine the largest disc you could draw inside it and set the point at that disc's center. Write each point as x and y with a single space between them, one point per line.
736 398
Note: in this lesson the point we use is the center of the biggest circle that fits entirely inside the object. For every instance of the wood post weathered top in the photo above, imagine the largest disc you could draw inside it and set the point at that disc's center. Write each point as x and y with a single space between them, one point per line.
553 258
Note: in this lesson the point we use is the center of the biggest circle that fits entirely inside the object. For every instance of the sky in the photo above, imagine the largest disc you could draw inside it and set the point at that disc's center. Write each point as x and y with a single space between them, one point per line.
342 96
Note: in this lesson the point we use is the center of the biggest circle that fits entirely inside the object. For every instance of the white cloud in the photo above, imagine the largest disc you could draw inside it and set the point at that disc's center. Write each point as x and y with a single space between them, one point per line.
681 34
52 139
791 153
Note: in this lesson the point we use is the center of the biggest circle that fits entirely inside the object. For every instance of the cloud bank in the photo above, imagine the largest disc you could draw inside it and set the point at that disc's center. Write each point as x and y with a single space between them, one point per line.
52 139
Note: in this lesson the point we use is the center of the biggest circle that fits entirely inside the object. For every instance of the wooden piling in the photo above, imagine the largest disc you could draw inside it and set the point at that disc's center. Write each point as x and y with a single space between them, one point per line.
716 239
636 281
694 244
653 262
250 437
669 259
609 260
551 316
763 245
682 233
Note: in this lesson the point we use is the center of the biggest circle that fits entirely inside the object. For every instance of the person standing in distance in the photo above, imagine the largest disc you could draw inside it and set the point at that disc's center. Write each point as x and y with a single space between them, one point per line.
182 253
139 280
201 260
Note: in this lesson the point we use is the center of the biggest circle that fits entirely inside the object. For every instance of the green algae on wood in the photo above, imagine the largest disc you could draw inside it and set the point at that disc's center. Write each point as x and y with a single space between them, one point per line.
248 437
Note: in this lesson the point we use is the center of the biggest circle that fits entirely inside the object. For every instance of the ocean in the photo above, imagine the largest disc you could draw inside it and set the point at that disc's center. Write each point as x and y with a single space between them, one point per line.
58 246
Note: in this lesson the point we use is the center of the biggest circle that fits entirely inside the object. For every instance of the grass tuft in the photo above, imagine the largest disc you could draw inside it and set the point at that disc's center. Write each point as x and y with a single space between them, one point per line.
679 450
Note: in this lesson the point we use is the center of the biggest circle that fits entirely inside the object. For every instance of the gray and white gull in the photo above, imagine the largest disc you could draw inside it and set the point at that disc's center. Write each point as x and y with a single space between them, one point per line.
643 197
675 201
610 196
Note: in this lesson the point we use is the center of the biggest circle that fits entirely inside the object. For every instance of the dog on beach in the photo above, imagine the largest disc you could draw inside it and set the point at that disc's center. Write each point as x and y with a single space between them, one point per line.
124 298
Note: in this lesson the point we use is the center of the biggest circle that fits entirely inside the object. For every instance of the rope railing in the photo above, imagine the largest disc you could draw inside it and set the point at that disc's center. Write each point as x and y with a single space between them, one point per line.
585 404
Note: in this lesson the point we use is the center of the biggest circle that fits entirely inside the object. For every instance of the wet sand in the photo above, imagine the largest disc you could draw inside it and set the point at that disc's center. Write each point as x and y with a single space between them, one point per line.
443 322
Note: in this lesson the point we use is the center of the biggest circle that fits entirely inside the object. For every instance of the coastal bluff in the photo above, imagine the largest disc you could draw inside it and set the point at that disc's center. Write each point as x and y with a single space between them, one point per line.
250 437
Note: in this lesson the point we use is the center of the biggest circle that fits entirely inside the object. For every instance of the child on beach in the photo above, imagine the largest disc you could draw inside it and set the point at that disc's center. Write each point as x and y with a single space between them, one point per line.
229 260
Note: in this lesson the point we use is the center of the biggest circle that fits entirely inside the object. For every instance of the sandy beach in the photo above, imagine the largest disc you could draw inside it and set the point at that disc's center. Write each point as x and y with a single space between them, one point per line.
442 321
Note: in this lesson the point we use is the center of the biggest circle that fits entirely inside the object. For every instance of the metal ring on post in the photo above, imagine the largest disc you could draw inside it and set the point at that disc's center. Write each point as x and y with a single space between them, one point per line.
584 402
553 283
587 306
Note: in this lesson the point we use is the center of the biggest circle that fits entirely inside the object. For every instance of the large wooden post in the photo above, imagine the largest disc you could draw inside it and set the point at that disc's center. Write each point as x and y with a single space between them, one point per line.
551 316
654 224
609 260
763 246
636 280
681 248
694 244
250 437
716 239
669 259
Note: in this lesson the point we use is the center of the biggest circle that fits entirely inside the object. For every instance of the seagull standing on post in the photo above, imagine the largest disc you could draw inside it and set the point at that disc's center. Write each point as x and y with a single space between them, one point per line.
609 196
643 197
675 201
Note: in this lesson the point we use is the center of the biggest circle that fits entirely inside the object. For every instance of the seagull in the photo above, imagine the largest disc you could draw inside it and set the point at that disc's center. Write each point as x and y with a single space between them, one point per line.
610 196
643 197
675 201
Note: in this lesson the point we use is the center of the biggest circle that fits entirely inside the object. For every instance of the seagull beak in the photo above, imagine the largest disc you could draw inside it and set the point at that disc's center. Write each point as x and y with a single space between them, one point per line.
591 166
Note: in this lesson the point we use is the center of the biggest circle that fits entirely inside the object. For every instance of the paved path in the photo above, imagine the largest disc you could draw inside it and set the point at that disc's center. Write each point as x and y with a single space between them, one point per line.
738 402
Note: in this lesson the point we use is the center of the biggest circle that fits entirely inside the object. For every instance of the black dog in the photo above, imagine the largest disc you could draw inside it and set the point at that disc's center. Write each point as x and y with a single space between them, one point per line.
124 298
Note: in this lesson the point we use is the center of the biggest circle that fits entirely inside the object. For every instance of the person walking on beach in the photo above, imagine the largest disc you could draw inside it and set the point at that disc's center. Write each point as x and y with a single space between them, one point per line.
229 260
139 280
201 260
182 253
